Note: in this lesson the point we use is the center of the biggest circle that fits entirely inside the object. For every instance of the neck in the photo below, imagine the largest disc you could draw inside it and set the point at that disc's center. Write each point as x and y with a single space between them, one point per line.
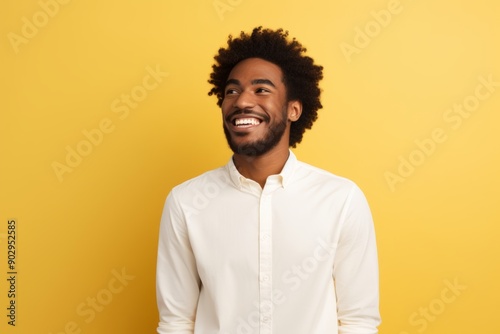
259 168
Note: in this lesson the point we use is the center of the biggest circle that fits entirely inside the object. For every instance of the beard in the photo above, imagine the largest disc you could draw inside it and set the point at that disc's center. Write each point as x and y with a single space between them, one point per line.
261 146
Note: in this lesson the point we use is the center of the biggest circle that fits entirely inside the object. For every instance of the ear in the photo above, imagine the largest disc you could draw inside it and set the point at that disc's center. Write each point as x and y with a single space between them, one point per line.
294 110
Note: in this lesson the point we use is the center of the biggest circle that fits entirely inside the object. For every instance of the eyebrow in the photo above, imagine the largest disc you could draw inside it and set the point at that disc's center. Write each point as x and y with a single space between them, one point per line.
253 82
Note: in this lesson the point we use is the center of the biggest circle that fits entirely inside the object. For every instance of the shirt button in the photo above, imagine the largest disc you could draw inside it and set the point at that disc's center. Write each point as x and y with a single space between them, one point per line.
265 319
265 237
265 278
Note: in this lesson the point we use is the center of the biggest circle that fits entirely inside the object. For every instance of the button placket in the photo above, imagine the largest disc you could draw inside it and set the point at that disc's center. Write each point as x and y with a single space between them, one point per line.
265 264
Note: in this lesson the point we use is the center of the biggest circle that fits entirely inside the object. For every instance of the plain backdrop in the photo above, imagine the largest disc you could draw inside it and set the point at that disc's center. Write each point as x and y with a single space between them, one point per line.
105 109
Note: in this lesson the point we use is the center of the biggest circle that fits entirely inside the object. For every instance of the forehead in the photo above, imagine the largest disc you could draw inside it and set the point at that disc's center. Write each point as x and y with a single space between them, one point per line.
256 68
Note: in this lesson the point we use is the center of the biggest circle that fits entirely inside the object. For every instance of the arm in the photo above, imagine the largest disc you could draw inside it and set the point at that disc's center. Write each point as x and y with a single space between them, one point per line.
355 269
177 281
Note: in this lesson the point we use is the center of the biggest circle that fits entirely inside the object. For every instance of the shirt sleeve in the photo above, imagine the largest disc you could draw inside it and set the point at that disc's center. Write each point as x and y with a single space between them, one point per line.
355 270
177 280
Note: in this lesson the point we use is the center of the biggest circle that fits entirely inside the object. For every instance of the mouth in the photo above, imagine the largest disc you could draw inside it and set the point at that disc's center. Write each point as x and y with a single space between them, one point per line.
243 121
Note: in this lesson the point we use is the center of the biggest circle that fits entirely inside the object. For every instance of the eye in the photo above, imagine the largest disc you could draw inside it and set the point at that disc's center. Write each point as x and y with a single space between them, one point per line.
230 91
262 90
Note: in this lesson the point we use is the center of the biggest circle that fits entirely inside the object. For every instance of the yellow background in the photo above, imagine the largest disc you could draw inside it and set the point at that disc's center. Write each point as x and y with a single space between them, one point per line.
438 226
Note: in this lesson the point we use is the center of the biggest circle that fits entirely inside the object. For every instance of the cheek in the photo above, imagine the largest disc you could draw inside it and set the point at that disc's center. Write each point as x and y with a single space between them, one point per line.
226 105
225 108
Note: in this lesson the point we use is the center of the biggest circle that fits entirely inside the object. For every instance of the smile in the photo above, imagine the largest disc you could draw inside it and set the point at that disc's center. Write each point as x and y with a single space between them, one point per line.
246 122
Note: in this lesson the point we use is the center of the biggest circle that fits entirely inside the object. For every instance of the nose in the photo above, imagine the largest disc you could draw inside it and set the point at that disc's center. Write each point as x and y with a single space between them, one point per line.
245 100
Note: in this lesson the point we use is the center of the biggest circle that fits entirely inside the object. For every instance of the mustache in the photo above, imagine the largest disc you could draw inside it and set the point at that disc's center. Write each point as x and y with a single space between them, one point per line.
248 112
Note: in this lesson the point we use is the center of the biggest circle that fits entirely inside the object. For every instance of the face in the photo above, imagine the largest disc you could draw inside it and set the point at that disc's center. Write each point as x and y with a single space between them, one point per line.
256 114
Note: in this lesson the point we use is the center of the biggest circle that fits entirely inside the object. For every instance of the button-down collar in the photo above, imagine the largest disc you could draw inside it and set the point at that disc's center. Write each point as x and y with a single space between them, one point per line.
272 182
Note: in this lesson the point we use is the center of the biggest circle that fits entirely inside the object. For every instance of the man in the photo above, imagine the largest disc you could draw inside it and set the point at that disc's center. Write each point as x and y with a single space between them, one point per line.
267 244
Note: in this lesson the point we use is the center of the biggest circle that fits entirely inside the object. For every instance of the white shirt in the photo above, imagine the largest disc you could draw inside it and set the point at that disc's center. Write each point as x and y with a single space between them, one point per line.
296 257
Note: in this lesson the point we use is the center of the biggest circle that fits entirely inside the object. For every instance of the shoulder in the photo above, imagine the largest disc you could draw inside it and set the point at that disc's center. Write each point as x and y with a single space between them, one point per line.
207 183
318 176
336 188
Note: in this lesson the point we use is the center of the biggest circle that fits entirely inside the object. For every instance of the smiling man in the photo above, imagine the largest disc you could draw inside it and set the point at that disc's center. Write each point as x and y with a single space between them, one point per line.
277 246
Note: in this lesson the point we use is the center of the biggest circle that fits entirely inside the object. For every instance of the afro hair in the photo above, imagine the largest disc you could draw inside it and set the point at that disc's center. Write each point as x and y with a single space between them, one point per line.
300 75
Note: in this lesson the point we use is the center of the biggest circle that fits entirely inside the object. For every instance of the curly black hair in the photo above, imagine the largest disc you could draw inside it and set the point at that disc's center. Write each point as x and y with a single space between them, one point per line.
300 75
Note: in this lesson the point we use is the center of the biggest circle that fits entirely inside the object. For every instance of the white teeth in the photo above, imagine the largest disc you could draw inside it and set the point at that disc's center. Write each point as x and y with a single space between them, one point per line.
246 121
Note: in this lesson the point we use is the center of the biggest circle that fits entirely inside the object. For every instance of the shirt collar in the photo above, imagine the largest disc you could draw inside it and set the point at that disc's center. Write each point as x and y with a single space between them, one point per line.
283 177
